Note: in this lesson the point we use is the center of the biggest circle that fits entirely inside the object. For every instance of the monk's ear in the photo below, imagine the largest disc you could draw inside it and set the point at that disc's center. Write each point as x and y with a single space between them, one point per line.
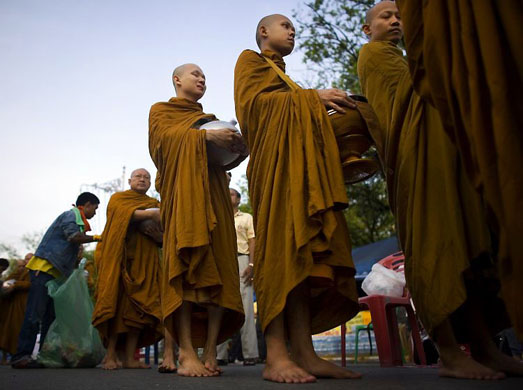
263 32
176 81
366 30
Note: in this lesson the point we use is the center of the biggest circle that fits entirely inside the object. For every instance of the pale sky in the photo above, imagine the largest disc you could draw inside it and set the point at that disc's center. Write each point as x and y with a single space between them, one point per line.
77 79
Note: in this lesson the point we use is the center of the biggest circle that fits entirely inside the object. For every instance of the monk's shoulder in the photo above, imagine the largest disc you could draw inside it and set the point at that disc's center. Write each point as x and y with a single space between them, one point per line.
249 56
159 107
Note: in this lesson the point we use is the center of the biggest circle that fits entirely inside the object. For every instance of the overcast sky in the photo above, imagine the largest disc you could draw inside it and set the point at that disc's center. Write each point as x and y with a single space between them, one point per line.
78 78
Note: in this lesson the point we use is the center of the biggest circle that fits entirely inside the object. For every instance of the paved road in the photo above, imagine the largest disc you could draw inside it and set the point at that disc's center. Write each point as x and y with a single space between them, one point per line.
235 377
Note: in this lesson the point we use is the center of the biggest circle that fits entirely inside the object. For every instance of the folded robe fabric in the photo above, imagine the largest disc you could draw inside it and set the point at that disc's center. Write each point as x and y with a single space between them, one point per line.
440 218
199 245
12 310
465 58
295 187
127 262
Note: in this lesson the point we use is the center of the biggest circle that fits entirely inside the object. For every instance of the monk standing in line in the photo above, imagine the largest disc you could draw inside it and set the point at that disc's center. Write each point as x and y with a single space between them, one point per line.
303 269
127 311
465 58
441 220
201 302
13 300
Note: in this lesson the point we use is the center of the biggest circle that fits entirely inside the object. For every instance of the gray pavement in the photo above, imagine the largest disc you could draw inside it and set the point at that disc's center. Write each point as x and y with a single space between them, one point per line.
235 377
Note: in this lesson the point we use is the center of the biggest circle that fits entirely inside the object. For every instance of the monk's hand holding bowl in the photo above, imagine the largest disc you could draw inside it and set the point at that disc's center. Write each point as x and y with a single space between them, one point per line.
226 139
336 99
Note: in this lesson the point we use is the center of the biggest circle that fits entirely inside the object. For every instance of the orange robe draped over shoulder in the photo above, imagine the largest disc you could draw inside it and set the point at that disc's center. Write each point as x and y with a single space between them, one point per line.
199 245
440 218
12 310
296 189
465 57
127 263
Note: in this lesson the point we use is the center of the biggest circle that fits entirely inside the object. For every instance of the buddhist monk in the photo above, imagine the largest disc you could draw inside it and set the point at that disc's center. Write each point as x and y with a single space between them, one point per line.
12 306
127 311
441 220
303 269
201 302
482 111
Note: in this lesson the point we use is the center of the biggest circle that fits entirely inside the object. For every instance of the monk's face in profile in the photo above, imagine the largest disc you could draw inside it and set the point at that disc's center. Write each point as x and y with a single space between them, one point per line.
190 83
278 35
140 181
384 23
90 209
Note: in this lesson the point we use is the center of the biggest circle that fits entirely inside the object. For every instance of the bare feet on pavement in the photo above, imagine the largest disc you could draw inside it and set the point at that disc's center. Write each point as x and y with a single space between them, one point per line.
456 364
286 371
190 365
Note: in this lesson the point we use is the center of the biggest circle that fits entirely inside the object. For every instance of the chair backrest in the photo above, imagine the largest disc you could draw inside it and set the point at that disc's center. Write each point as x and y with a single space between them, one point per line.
395 262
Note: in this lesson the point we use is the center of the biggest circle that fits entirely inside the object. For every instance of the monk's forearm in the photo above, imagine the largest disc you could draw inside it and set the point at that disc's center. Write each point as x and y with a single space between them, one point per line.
142 215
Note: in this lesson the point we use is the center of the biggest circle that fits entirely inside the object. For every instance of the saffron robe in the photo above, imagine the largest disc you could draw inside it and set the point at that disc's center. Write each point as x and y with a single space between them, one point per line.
465 58
199 245
127 262
12 310
296 189
440 218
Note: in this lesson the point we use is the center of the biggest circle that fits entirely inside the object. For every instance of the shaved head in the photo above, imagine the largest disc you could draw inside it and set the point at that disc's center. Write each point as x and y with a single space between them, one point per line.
140 180
266 22
180 70
140 170
372 12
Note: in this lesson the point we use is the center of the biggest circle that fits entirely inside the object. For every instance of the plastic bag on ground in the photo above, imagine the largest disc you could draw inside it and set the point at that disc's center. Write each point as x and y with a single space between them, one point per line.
71 341
384 281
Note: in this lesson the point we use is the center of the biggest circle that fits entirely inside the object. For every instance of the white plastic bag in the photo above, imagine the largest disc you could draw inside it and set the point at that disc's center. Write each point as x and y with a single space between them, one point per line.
384 281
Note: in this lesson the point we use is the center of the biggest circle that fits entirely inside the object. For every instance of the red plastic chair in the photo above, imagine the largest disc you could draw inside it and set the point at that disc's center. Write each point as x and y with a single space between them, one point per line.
383 313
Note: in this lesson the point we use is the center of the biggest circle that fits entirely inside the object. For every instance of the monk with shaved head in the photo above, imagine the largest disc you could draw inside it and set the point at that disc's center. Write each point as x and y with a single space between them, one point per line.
201 302
127 312
450 252
303 269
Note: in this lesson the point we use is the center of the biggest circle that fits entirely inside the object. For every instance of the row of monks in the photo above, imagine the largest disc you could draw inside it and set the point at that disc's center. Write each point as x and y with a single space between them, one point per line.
447 127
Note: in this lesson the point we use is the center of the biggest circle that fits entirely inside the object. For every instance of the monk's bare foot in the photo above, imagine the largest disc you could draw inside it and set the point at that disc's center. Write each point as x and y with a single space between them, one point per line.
110 363
498 361
190 365
132 363
321 368
168 365
210 362
286 371
456 364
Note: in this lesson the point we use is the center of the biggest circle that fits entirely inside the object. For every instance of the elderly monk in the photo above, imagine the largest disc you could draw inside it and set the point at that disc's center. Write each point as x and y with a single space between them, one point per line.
441 219
12 306
127 311
304 274
465 58
201 302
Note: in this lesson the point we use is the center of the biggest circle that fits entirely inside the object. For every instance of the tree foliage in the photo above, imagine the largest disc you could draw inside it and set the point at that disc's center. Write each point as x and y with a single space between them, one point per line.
329 34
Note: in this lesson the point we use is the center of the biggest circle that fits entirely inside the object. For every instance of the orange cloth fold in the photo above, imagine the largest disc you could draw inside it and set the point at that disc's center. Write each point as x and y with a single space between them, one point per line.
440 218
127 263
12 310
465 58
296 187
199 252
